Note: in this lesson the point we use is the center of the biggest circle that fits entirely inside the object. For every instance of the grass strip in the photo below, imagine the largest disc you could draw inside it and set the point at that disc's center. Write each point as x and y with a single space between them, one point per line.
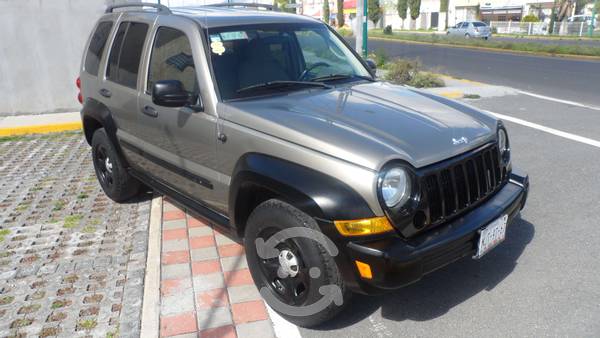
531 47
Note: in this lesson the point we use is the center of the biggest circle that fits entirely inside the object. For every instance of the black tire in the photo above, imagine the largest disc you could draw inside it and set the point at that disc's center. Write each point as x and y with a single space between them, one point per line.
112 175
467 36
271 217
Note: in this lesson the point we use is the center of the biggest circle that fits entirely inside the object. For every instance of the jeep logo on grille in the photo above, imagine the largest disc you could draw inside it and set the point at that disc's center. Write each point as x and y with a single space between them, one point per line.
462 140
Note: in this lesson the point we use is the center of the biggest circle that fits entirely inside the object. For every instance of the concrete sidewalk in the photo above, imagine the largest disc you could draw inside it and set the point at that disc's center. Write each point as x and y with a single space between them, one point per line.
206 288
39 124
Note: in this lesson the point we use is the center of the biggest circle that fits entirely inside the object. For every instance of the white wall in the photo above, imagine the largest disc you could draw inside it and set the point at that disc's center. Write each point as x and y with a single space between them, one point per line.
40 52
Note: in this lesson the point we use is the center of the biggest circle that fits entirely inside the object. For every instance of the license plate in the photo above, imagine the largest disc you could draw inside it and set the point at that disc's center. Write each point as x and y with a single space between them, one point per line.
492 235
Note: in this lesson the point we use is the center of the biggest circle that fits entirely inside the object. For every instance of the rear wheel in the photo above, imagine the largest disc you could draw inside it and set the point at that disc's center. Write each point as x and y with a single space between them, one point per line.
467 36
112 175
296 280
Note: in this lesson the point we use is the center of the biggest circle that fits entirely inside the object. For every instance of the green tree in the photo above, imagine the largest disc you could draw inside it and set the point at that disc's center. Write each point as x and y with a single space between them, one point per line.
444 6
326 11
402 6
340 13
530 18
375 11
415 8
282 5
444 9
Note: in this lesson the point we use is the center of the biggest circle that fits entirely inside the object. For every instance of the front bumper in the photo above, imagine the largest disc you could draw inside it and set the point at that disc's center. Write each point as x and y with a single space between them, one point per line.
396 262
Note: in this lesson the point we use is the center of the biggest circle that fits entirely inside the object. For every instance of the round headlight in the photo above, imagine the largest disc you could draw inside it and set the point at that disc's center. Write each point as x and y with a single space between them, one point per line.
395 187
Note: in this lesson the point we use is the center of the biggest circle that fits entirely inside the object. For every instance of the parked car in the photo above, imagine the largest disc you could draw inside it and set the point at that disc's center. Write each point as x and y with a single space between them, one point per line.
471 29
270 125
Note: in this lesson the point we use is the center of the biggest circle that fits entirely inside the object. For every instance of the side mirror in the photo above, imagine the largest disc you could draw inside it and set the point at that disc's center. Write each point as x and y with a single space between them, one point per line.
170 93
371 64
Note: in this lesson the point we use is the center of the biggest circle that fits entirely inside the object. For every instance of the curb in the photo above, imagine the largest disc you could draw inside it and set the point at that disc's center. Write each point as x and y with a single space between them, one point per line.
488 49
41 129
151 300
452 94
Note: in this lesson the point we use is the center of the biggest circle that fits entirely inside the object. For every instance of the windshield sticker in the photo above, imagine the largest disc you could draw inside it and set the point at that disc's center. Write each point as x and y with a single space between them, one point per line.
239 35
217 47
215 37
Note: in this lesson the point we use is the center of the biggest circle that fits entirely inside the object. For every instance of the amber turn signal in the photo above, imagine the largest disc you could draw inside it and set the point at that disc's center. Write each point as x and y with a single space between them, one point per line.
364 270
363 227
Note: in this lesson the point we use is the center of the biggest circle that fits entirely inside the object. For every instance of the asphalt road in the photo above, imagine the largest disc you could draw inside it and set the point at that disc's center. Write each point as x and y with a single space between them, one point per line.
567 79
543 280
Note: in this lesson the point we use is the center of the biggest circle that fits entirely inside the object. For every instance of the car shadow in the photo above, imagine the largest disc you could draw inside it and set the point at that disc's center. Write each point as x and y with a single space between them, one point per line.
146 194
439 292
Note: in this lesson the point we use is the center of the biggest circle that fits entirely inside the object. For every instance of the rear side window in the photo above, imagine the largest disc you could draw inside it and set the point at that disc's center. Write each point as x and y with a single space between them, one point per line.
94 53
479 24
126 52
172 60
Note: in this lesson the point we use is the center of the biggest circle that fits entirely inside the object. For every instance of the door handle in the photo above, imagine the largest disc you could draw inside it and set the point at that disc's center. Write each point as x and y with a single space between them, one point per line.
105 92
150 111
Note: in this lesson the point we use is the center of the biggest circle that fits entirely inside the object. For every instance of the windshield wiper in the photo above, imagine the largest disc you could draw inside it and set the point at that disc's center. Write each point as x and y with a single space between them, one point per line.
332 77
282 85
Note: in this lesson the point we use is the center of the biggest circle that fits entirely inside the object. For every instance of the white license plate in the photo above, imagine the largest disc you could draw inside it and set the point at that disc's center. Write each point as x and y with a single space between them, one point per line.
492 235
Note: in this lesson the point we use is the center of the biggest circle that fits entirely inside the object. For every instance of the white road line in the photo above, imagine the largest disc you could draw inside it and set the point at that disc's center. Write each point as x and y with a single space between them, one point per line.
549 98
283 328
572 137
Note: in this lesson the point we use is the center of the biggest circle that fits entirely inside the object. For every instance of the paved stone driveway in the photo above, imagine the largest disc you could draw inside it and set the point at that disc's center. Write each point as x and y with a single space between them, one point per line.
206 288
71 261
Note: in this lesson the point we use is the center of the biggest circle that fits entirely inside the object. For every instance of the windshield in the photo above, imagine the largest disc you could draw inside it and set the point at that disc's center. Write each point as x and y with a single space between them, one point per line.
251 55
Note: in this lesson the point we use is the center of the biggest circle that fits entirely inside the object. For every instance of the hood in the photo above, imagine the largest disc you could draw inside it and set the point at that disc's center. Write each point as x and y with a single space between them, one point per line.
368 124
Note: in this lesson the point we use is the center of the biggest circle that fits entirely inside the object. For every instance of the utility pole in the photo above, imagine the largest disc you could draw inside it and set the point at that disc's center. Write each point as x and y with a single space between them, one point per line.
365 28
593 23
361 27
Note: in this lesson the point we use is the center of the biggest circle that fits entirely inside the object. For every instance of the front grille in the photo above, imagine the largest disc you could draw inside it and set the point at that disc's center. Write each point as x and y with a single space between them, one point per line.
451 189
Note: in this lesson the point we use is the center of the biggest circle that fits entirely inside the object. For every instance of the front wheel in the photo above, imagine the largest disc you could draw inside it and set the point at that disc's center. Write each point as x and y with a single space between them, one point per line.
467 36
114 179
299 278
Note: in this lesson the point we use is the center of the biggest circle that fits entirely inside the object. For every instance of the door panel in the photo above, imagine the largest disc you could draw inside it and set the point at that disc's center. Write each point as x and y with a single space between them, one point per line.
119 88
179 141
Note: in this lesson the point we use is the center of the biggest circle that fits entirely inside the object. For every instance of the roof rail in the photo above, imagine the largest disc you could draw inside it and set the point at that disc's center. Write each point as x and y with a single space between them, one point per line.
160 8
244 4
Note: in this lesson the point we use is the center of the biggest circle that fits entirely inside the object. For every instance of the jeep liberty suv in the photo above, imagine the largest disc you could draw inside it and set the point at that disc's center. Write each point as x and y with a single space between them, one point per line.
268 124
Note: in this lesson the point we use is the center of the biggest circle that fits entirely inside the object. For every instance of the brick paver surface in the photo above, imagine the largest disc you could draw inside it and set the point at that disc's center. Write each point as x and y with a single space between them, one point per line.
71 260
206 288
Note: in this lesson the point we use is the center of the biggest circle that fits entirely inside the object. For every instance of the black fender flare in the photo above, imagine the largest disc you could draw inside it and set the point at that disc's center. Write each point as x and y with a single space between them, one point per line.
321 196
94 115
315 193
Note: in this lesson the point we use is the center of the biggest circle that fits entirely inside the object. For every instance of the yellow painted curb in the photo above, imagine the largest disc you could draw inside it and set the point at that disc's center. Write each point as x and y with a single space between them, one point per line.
41 129
489 49
452 94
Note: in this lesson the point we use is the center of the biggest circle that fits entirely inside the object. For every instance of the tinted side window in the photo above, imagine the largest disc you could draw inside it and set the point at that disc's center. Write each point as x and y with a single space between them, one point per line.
124 60
94 53
113 59
172 59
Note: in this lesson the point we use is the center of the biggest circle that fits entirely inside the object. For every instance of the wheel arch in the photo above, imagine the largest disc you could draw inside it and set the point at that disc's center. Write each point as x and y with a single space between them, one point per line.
260 177
96 115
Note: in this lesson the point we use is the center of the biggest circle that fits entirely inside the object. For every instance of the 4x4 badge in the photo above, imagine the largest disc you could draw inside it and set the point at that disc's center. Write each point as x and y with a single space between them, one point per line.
462 140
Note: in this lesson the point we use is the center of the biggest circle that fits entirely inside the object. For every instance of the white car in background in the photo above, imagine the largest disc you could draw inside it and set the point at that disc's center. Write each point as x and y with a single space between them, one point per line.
471 29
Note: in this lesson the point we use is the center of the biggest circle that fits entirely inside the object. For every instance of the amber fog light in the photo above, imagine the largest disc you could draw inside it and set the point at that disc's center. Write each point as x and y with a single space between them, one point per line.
363 227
